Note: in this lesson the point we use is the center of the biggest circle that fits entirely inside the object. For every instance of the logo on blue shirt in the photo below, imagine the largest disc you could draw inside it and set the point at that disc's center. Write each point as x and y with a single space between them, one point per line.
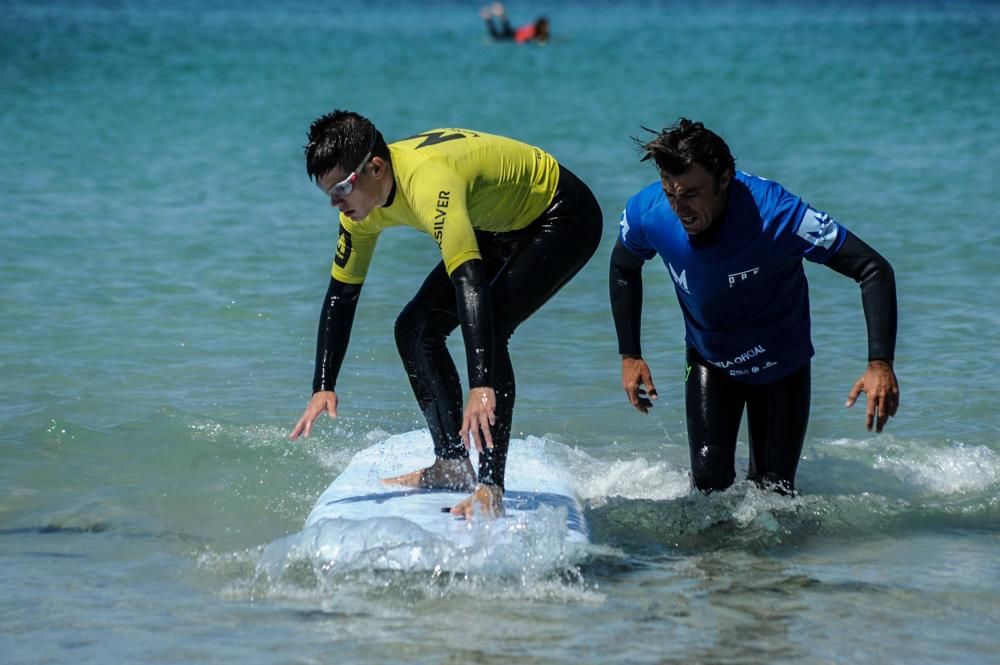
818 229
742 276
681 280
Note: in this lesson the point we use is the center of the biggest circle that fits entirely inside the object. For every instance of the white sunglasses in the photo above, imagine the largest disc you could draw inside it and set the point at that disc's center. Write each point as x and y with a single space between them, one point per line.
346 186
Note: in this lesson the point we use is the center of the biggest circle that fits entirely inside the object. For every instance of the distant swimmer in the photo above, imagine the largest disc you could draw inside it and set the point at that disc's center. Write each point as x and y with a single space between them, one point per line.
512 225
500 29
733 245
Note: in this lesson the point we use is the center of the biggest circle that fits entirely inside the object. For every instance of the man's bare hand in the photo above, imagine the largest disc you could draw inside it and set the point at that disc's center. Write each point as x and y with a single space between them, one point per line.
879 385
638 384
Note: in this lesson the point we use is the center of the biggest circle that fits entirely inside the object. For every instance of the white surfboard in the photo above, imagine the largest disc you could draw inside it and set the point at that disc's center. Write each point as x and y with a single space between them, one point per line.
361 522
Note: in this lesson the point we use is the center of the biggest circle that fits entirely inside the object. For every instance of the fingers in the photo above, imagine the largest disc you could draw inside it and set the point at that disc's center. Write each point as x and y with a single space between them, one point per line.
647 380
871 404
637 381
476 436
882 416
463 433
470 433
477 428
485 421
632 395
858 388
882 398
480 415
892 399
303 427
463 510
887 406
637 398
635 395
878 407
316 407
894 404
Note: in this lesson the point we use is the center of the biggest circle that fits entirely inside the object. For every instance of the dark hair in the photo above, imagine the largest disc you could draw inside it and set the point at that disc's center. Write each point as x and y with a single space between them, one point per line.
341 138
676 149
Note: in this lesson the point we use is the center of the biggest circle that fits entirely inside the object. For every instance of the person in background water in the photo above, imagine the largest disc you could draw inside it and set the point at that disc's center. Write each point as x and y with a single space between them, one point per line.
512 225
500 28
733 245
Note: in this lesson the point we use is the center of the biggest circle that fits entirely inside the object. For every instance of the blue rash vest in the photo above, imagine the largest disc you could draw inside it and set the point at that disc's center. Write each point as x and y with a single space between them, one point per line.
744 296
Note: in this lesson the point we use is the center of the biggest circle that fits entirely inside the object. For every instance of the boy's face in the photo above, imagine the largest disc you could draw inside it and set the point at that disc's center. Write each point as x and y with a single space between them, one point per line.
354 193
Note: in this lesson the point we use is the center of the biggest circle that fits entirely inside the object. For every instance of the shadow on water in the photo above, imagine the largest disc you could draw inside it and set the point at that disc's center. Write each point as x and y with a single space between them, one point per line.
54 529
754 521
57 541
652 528
826 474
98 529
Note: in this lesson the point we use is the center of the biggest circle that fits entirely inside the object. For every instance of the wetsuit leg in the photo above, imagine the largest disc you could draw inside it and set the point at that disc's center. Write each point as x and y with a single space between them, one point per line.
421 330
777 416
527 267
531 265
714 404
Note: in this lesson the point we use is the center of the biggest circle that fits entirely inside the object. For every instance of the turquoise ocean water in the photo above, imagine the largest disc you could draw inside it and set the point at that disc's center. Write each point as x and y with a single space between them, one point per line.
163 257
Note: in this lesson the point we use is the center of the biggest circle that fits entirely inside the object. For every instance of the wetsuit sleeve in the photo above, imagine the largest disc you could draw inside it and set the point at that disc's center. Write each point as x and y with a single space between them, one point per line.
475 311
625 286
864 265
335 321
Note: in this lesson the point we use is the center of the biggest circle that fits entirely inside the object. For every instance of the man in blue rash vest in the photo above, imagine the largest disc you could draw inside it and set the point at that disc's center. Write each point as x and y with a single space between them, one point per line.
513 226
733 245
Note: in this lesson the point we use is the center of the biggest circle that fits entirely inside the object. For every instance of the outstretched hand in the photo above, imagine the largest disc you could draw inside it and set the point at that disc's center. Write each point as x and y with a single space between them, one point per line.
881 389
638 384
480 414
322 401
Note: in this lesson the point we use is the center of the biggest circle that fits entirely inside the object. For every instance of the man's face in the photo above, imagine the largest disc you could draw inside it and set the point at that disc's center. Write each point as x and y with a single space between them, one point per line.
361 200
696 197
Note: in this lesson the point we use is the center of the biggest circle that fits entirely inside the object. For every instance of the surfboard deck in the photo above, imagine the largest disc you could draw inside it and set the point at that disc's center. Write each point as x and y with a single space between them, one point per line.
361 524
534 484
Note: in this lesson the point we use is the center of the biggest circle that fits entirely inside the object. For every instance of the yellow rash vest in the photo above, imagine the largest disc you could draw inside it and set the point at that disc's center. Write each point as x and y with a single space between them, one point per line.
451 183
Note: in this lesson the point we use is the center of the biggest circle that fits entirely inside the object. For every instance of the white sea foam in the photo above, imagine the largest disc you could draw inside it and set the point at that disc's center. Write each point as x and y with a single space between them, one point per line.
956 469
635 479
523 547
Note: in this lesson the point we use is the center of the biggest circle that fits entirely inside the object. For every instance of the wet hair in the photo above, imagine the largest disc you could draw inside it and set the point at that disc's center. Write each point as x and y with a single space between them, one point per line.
676 149
341 138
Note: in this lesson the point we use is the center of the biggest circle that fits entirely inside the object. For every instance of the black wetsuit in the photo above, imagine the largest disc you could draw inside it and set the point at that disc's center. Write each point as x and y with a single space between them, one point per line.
500 28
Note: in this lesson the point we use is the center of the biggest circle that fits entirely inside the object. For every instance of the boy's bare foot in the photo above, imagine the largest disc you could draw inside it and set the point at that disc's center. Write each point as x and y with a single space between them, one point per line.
446 474
486 500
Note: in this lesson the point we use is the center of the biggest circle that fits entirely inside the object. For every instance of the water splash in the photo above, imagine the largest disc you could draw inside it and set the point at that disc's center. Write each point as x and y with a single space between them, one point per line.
953 470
